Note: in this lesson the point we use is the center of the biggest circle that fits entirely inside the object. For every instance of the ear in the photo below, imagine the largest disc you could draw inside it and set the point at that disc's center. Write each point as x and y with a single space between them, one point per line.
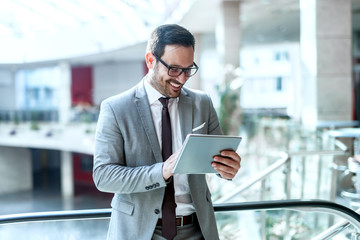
150 60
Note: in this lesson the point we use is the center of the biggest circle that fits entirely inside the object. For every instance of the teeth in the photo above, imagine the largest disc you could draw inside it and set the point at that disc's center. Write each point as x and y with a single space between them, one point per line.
175 85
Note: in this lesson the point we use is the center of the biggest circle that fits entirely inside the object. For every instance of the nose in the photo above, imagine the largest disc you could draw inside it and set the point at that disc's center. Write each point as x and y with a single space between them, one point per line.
182 78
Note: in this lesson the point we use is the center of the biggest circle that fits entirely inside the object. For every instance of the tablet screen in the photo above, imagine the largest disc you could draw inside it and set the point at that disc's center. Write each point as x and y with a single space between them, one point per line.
198 151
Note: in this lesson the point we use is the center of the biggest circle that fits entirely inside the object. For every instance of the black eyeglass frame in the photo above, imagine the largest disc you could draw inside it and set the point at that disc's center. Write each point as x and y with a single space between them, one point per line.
183 70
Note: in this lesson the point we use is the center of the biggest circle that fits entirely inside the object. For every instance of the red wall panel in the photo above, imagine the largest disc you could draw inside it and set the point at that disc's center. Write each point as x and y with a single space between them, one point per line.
81 85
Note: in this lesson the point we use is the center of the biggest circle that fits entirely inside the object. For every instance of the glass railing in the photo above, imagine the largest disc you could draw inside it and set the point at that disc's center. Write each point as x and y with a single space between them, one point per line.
300 172
86 229
286 219
289 174
280 218
77 114
18 116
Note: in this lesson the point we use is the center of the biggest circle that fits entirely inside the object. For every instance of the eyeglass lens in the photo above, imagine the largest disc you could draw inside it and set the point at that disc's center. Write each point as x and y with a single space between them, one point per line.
174 72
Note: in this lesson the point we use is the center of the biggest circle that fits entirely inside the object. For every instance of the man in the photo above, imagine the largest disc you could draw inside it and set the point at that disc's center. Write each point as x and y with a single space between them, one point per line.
129 160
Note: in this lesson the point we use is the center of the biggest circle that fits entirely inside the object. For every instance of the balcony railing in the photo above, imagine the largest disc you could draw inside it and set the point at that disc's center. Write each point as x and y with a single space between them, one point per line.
221 205
350 216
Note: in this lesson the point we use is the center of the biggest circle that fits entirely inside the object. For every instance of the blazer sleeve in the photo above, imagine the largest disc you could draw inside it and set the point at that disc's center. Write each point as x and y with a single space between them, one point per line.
110 171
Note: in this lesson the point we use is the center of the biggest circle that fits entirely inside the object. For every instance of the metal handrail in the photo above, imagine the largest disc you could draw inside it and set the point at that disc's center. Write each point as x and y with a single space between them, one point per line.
259 177
55 216
305 205
283 159
334 230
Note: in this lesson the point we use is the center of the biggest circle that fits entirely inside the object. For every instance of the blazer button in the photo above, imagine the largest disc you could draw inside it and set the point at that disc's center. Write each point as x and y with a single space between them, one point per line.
156 211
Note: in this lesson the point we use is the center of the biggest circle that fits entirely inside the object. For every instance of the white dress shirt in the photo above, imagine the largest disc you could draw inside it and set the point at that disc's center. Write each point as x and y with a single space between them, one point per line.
181 184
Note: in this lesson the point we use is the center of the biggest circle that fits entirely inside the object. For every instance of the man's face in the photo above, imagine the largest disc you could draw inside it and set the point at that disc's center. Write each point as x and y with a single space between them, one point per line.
174 56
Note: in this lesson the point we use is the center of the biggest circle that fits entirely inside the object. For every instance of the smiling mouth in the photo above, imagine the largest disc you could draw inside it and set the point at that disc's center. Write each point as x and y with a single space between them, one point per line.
175 85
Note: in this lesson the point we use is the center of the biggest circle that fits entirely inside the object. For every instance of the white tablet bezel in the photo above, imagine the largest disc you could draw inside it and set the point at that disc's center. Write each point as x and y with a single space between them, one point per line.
198 151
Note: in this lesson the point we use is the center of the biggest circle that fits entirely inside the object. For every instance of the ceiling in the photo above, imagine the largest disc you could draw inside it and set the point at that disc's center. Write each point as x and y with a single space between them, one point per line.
88 31
41 30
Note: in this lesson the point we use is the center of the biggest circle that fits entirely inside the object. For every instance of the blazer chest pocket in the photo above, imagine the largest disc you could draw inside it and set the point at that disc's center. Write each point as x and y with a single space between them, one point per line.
201 128
123 206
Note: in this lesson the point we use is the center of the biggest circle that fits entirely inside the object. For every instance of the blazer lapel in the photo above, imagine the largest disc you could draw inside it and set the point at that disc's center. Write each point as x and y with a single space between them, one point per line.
143 108
185 113
186 119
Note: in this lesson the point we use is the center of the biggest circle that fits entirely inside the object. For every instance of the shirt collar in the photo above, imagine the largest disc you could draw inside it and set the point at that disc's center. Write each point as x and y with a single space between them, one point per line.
152 93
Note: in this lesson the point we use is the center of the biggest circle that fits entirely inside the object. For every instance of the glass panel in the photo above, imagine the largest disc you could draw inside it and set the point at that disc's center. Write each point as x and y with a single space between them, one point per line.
92 229
311 176
275 225
254 225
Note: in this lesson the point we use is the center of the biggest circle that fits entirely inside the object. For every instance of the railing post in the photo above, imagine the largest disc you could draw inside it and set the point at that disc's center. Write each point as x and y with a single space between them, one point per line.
318 188
333 189
303 172
288 193
263 213
263 189
288 177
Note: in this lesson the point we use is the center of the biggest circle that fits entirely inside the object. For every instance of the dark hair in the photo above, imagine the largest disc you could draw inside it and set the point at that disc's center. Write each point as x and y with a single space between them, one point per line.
169 34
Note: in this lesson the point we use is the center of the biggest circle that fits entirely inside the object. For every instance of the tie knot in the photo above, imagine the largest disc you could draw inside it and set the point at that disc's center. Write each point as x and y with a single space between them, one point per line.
164 101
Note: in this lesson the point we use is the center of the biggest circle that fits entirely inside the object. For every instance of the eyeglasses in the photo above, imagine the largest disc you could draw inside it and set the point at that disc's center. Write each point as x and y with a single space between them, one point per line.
177 71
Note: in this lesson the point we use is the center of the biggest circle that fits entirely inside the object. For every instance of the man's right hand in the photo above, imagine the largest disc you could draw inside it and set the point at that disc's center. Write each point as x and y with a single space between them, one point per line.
169 164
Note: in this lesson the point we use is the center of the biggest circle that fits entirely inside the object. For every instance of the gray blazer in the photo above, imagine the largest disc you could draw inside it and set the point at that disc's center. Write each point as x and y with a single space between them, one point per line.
128 161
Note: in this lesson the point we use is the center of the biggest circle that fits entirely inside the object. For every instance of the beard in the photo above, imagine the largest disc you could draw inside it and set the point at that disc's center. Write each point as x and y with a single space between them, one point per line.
168 87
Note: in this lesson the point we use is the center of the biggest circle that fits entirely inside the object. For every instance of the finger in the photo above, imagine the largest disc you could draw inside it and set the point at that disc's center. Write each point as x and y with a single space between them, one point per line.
224 174
173 158
227 176
227 162
231 154
221 168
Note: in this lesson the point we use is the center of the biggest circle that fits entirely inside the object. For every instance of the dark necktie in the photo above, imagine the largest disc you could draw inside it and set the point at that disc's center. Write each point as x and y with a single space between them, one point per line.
169 205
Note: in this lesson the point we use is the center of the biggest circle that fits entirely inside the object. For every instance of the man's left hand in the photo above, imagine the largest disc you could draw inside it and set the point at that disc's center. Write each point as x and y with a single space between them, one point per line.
227 164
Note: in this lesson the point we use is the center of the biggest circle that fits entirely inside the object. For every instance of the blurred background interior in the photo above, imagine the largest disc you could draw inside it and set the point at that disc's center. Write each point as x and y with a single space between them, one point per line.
283 74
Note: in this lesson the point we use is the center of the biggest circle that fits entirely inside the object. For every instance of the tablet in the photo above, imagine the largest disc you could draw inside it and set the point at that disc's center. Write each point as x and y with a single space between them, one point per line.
198 151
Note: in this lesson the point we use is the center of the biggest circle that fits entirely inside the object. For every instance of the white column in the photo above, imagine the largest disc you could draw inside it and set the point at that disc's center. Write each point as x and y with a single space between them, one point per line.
228 32
228 38
67 179
325 41
15 170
